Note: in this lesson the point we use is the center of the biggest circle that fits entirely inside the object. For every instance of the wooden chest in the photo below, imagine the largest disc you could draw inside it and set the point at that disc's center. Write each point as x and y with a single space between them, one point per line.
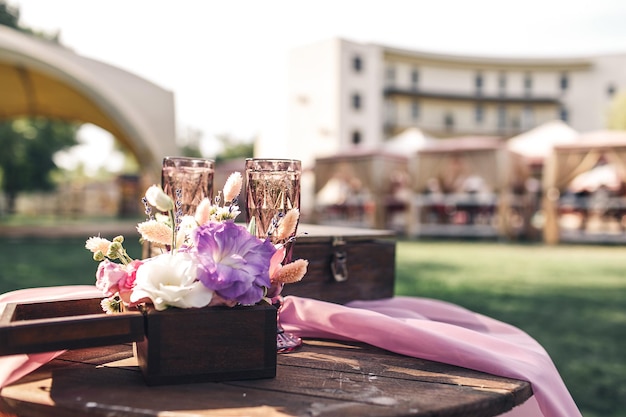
345 264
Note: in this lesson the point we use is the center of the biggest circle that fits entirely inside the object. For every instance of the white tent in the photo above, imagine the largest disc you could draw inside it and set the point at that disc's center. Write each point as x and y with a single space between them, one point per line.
40 78
606 175
407 142
536 144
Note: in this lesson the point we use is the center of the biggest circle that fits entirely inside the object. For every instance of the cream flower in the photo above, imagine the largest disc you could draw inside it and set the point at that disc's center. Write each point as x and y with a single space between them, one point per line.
292 272
185 229
287 226
169 280
155 232
157 198
98 244
232 187
203 211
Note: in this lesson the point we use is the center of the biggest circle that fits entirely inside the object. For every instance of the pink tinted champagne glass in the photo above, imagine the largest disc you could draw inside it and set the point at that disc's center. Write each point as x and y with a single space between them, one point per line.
272 189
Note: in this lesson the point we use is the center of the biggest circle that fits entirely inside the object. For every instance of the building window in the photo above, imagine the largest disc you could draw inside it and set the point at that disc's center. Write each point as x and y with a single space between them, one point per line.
501 116
502 83
390 112
479 113
415 78
356 101
563 114
356 137
610 90
478 82
527 117
415 110
357 64
390 75
528 84
448 121
564 83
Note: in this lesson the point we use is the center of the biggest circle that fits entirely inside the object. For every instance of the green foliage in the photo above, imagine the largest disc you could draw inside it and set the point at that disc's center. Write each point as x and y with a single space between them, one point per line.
27 149
9 15
616 118
234 149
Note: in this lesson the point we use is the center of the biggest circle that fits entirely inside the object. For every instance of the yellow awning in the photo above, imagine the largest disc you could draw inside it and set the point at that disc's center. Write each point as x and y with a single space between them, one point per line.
40 78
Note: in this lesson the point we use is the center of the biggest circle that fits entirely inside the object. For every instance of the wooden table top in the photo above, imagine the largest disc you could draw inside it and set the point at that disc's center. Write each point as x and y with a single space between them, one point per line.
323 378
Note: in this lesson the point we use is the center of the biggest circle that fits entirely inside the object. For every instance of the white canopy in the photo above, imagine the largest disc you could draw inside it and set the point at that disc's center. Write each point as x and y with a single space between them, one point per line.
40 78
407 142
537 144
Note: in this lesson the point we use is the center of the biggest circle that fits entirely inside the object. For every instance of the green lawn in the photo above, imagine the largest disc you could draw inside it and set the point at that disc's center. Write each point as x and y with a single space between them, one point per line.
572 299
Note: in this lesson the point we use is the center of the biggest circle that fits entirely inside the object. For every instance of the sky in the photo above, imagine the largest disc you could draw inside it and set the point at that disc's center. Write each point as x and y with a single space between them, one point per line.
226 61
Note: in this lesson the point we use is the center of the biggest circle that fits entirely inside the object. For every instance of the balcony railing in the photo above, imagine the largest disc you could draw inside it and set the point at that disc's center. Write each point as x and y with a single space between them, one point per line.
473 97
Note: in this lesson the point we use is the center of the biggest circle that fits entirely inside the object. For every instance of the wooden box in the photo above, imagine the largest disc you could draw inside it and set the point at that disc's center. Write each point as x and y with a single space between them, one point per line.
345 264
172 346
34 327
208 344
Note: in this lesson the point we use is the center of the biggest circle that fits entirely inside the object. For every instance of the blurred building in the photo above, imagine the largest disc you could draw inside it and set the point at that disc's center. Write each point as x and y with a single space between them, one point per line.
346 96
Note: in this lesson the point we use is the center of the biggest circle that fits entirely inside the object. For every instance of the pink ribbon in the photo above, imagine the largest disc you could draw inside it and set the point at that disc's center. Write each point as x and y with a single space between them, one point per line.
417 327
442 332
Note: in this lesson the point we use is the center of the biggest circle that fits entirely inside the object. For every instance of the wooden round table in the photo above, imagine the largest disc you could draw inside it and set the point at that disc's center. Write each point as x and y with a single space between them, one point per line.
323 378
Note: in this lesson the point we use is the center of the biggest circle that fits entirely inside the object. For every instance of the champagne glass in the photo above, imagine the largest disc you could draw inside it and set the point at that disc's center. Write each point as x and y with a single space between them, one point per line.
187 181
273 188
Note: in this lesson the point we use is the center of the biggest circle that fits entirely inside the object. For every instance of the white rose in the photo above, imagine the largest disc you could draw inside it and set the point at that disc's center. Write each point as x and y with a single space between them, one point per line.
170 280
157 198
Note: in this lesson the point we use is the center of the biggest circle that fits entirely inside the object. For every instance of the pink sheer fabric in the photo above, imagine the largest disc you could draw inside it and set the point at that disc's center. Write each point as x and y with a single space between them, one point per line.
417 327
442 332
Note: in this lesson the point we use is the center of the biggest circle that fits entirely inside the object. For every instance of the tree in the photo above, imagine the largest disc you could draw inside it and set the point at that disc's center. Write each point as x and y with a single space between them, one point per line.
617 113
28 144
233 148
9 16
26 159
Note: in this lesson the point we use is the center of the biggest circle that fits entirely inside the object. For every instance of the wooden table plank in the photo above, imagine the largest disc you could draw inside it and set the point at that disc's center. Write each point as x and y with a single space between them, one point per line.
321 379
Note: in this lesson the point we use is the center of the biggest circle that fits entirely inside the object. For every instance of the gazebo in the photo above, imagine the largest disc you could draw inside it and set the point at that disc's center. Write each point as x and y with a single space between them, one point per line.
569 161
461 188
40 78
359 188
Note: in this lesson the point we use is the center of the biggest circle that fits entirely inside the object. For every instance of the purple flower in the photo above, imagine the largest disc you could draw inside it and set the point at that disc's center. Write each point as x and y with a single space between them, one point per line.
233 263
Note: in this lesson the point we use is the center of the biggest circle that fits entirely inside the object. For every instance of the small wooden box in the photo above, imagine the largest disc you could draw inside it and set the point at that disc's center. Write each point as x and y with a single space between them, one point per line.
208 344
33 327
173 346
345 263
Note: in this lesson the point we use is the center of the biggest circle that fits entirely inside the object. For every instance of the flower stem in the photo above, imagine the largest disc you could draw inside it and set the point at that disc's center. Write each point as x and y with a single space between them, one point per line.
174 226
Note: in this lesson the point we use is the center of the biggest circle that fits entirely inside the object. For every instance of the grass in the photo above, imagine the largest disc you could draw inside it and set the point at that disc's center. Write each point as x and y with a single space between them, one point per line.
572 299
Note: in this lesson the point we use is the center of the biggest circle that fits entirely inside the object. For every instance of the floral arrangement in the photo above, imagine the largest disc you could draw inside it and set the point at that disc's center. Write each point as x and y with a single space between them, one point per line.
206 260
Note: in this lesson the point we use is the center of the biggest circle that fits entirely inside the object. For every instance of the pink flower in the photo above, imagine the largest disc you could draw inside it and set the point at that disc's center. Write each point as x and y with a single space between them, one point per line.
276 260
127 283
108 277
112 278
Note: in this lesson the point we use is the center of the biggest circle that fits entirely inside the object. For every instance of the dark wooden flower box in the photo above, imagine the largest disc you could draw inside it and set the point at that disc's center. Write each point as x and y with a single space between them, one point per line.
208 344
